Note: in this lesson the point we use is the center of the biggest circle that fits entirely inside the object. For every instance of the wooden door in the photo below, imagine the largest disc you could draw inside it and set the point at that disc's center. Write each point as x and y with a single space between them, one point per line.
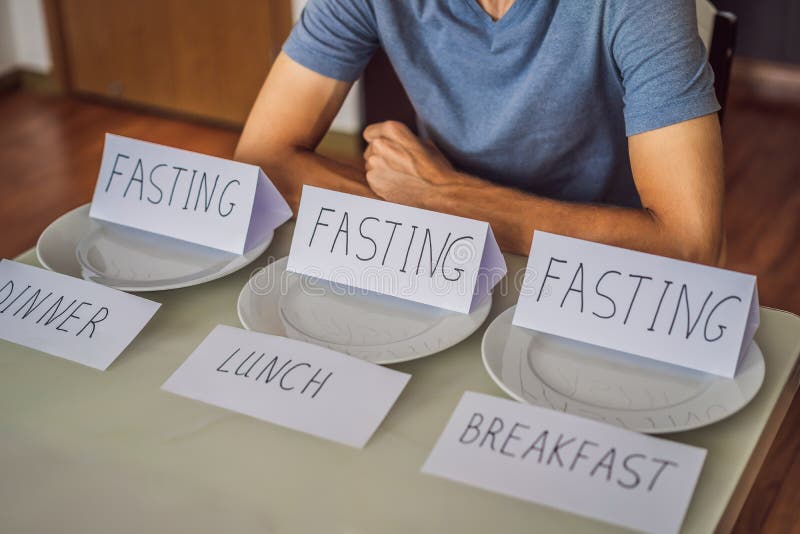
201 57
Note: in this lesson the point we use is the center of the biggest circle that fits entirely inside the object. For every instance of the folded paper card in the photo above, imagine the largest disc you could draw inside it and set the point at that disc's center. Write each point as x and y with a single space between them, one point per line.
568 462
419 255
290 383
67 317
669 310
218 203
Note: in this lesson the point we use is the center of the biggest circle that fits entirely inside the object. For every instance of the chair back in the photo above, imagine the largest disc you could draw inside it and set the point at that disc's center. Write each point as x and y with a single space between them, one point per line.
720 54
384 96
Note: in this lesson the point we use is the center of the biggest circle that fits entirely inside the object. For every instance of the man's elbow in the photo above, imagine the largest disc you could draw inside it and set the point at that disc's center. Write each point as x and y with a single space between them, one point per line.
271 159
275 162
708 250
241 153
247 153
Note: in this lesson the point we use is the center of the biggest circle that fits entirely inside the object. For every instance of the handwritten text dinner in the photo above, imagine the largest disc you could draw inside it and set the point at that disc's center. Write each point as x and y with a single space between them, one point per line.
45 309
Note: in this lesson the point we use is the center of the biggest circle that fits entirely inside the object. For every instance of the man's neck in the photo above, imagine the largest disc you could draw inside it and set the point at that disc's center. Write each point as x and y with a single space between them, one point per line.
495 8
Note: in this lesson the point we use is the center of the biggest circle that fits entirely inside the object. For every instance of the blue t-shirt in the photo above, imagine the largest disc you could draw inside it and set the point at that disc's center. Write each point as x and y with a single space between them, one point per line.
542 99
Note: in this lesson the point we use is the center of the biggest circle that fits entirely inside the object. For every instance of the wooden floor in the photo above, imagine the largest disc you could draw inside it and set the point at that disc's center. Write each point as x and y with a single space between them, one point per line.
762 161
50 151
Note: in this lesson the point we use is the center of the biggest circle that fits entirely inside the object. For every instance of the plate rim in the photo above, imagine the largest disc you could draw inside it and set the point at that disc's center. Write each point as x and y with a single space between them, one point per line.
660 430
38 246
257 250
244 323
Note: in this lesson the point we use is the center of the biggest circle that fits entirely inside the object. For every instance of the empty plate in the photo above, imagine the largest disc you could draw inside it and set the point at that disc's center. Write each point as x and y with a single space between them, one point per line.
612 386
130 259
373 327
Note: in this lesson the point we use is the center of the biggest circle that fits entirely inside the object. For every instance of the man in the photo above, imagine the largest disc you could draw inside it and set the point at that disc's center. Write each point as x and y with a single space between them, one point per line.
588 118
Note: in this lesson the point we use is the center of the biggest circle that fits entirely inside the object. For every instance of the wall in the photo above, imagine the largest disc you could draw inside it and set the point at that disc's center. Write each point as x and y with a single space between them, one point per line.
23 44
30 35
350 117
7 53
23 36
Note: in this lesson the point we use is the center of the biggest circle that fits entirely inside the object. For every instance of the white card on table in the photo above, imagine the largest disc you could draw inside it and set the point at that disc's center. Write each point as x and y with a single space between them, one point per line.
74 319
290 383
210 201
567 462
419 255
674 311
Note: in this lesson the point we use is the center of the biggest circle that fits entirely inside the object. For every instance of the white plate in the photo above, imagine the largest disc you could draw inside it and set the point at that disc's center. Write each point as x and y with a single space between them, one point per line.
130 259
612 386
372 327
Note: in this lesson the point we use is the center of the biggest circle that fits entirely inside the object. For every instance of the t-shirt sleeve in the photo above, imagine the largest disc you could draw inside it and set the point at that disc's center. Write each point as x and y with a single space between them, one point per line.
335 38
662 63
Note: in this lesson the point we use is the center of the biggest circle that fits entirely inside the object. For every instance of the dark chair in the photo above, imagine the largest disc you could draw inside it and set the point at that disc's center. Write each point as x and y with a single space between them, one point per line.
720 54
385 98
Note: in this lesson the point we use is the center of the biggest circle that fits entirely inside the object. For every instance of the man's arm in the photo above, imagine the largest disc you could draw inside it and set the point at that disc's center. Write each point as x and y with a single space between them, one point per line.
677 170
292 112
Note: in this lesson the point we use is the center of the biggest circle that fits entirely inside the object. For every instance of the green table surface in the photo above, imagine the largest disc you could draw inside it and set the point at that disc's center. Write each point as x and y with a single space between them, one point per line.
89 451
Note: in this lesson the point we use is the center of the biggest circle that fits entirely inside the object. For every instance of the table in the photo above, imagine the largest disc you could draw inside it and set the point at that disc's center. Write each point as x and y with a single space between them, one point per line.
89 451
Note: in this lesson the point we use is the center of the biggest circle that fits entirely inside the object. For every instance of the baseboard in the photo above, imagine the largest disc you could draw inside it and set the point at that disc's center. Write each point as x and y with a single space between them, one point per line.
779 82
40 82
10 80
20 78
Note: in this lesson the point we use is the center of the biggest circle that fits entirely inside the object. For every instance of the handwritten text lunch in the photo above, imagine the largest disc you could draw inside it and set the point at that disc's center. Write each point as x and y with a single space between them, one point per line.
288 374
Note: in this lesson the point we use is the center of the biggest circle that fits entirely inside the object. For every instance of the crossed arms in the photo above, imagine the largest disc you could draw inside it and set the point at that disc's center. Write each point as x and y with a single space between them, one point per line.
677 171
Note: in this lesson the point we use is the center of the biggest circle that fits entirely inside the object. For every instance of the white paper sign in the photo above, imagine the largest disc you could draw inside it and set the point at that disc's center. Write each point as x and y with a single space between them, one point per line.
67 317
419 255
669 310
218 203
568 462
290 383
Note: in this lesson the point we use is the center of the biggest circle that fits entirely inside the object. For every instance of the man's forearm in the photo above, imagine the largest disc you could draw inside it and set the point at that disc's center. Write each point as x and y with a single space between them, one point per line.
514 215
677 171
292 168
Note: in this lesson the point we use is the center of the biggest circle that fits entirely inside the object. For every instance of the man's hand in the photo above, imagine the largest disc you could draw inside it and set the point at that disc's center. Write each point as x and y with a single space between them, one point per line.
400 167
677 170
